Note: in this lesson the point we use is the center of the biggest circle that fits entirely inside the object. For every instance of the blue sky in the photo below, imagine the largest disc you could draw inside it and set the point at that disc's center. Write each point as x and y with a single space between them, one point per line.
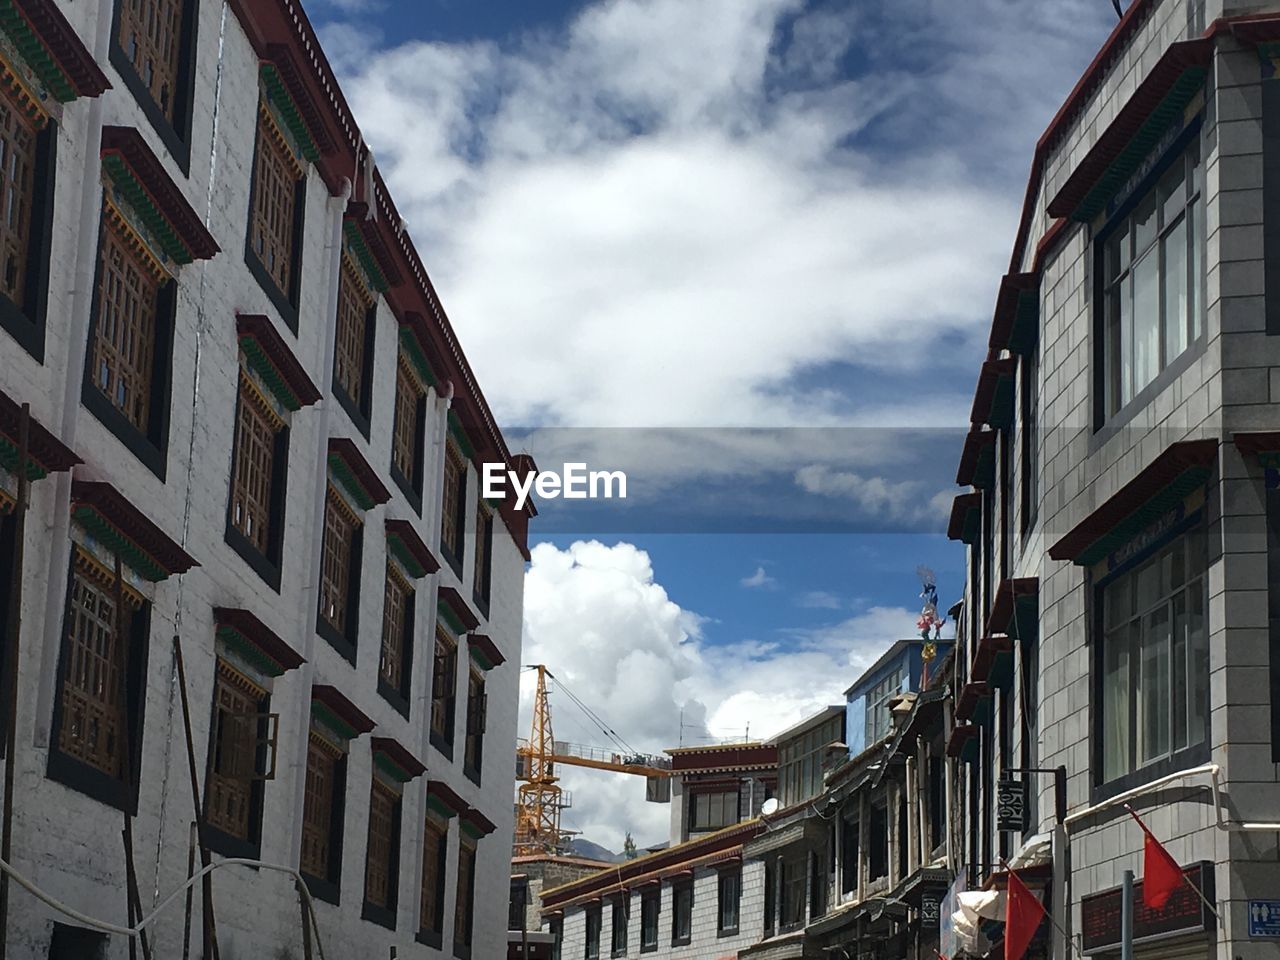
711 226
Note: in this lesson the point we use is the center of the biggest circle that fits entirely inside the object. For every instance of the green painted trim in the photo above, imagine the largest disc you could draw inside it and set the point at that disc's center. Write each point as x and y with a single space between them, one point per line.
418 359
972 521
460 436
37 55
339 468
360 249
1026 323
332 720
401 551
391 768
1166 113
1000 676
9 460
1269 460
440 808
481 660
1160 504
449 617
261 364
984 471
246 648
106 533
969 752
279 96
132 190
471 830
1001 413
982 710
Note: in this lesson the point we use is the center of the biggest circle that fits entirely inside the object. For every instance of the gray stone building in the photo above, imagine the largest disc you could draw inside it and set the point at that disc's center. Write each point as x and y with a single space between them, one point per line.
246 397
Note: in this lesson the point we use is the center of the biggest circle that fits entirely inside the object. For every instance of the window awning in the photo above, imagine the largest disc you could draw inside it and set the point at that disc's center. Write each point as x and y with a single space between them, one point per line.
46 454
364 239
485 652
122 527
254 639
442 799
403 541
456 611
1016 325
993 660
966 518
52 49
330 705
993 398
1164 483
1154 110
270 357
974 703
977 459
963 743
1014 610
284 84
394 760
350 467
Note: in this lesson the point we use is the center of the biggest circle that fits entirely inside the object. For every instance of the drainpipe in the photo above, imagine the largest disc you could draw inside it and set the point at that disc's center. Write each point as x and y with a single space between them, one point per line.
77 344
337 205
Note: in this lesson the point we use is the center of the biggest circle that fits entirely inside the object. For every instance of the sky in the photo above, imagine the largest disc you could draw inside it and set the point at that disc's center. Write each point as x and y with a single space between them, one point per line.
746 250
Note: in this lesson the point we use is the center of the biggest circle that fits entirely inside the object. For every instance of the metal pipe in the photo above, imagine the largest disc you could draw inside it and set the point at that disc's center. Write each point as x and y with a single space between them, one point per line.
1126 917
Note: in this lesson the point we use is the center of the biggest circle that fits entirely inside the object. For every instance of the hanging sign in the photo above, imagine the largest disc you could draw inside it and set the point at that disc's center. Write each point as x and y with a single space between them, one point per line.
1011 806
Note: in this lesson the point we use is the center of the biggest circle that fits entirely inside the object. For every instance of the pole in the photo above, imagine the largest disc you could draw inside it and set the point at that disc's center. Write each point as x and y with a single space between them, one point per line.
210 940
1126 917
11 668
306 923
186 918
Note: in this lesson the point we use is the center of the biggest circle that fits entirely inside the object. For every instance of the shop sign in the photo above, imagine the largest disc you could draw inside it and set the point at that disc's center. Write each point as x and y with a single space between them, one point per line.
1011 806
930 907
1184 912
1264 919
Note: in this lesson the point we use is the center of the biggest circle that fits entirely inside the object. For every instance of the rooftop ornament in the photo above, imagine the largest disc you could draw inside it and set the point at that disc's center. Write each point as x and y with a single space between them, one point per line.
930 622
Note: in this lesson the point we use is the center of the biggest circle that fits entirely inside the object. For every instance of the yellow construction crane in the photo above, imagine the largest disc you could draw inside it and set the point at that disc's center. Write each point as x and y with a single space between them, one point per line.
540 799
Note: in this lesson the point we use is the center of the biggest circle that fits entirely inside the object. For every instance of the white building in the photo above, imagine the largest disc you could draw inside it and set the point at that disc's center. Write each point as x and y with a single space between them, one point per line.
243 385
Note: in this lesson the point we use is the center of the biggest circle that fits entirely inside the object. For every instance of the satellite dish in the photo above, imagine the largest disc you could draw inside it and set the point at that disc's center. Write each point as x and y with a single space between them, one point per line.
770 807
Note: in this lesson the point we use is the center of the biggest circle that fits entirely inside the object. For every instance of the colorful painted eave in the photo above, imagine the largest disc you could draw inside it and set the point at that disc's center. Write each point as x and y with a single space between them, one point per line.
443 800
966 513
456 610
252 638
1016 324
977 459
414 344
52 49
485 652
140 176
365 241
403 541
353 470
993 398
46 454
270 357
330 705
122 527
286 90
394 760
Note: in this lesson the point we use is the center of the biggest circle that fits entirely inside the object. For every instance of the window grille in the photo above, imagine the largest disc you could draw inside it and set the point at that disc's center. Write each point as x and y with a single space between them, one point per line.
340 525
484 543
444 683
17 188
404 438
463 915
395 604
431 916
382 824
317 806
354 305
256 429
150 36
455 478
273 219
244 751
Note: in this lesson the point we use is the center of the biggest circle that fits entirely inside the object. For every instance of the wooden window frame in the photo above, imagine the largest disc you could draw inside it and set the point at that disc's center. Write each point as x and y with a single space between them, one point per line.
174 132
221 840
680 890
722 882
397 693
650 905
477 713
431 931
343 639
383 914
444 691
8 534
266 564
65 767
464 913
619 911
593 921
410 484
359 409
328 887
151 446
25 321
482 584
285 301
453 507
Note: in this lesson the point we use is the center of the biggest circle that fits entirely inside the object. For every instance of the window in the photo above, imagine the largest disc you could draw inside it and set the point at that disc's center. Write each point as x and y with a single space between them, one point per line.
618 945
1152 266
340 575
650 905
27 147
770 896
878 840
681 913
849 838
353 348
800 760
92 722
937 800
463 915
397 636
274 249
444 691
434 863
477 707
382 863
152 50
484 557
1155 659
454 506
255 515
593 933
713 811
129 356
407 433
556 927
1029 434
818 885
794 878
322 810
879 717
730 898
242 756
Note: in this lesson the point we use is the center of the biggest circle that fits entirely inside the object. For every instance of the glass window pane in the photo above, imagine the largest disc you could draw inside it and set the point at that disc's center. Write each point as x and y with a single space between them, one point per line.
1197 665
1153 686
1146 320
1175 291
1117 253
1195 217
1126 342
1180 705
1148 585
1172 193
1115 709
1144 225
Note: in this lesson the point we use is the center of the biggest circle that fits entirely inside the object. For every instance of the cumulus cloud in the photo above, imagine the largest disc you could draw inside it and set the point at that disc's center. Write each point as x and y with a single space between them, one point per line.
759 580
903 501
602 622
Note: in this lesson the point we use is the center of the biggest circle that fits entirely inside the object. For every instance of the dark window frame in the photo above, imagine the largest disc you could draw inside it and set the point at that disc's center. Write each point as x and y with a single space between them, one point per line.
1029 437
361 413
385 916
650 920
482 582
711 824
433 935
286 302
8 536
329 889
462 948
26 322
268 566
452 557
593 919
443 740
682 913
346 640
219 840
412 486
731 878
476 719
175 135
398 697
618 945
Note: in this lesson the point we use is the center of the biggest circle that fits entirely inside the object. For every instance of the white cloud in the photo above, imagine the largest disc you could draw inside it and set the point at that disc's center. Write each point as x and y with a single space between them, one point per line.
759 580
604 625
902 501
819 600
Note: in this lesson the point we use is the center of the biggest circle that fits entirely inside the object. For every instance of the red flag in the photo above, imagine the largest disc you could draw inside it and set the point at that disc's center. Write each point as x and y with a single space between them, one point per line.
1022 914
1161 874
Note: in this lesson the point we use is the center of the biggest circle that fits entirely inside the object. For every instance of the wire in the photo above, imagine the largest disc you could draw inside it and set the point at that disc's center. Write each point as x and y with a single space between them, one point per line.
604 727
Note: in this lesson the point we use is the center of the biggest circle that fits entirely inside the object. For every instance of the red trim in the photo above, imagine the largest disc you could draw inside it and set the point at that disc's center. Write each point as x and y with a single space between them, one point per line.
970 695
960 506
261 329
745 756
42 446
346 711
1166 72
974 442
452 599
992 372
959 735
478 820
1257 442
488 648
281 57
409 536
127 143
446 795
988 648
259 634
357 214
345 448
61 40
131 522
1156 476
1002 607
1012 286
398 755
